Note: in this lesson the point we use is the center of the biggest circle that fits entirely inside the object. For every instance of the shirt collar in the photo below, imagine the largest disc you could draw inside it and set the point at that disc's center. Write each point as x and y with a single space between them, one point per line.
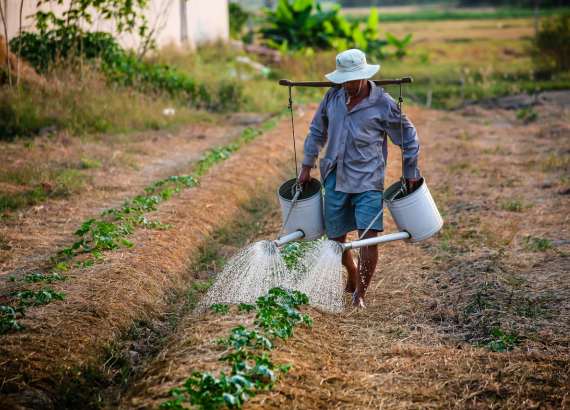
375 93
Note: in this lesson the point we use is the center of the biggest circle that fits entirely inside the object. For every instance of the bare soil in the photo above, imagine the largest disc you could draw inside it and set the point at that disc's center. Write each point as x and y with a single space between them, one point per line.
437 310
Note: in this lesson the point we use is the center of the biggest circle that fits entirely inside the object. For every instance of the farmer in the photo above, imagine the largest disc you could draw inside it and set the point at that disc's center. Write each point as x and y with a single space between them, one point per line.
354 120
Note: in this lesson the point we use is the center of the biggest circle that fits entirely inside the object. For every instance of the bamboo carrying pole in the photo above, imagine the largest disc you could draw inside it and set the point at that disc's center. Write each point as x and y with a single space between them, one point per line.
395 81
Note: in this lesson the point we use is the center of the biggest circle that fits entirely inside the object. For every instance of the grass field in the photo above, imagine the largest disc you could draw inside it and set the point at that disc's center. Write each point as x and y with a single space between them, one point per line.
438 13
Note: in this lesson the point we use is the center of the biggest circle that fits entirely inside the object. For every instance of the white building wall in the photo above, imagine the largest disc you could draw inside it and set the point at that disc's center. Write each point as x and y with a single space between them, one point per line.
207 21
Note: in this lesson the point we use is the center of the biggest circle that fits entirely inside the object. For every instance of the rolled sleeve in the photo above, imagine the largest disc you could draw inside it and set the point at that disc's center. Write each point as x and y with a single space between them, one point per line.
411 143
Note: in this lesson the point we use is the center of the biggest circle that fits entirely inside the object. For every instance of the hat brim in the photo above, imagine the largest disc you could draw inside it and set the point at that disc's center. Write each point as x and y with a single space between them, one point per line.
339 77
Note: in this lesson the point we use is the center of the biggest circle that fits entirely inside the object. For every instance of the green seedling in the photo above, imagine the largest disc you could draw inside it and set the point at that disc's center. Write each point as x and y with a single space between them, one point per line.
293 251
501 341
240 338
40 297
514 205
246 307
220 308
43 277
9 319
538 244
527 115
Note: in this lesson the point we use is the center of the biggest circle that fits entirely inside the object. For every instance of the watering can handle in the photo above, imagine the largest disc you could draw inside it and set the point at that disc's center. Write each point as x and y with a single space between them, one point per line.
298 189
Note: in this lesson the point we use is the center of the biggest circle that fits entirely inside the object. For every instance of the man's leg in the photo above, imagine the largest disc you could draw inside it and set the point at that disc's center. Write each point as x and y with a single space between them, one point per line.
368 262
368 215
348 263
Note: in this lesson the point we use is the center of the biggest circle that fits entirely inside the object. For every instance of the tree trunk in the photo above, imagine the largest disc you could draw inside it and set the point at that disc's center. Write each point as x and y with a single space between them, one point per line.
183 22
3 12
18 57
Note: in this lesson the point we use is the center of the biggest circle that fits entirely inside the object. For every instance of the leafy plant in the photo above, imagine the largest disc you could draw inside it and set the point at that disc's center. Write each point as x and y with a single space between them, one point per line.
42 50
538 244
513 205
501 341
527 115
299 24
399 44
43 277
9 319
246 307
210 392
293 251
38 297
220 308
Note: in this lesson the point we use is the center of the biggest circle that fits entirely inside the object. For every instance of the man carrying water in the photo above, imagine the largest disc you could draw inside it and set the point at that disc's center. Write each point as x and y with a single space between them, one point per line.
353 121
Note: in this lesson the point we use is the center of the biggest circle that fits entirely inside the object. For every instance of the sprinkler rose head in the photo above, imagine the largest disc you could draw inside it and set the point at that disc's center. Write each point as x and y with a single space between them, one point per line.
269 247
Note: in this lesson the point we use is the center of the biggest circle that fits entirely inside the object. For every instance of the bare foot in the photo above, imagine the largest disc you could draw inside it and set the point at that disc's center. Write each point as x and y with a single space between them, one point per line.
358 301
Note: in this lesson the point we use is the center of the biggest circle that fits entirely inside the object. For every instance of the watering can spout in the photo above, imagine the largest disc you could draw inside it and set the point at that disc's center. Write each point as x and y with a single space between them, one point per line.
293 236
397 236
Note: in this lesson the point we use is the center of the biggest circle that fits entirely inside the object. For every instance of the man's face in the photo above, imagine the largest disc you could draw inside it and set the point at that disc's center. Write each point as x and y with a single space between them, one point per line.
351 87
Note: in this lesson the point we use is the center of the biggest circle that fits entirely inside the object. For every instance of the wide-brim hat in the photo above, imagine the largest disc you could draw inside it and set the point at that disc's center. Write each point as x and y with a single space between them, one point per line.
351 65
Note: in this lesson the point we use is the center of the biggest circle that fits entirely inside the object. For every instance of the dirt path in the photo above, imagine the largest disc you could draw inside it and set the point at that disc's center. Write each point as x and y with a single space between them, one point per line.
496 278
124 167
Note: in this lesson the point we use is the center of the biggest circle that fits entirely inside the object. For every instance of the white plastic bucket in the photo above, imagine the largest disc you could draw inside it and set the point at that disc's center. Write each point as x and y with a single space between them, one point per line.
415 213
307 212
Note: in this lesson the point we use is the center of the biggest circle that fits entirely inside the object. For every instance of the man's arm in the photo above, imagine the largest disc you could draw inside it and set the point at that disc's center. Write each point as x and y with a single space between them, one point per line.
411 143
315 140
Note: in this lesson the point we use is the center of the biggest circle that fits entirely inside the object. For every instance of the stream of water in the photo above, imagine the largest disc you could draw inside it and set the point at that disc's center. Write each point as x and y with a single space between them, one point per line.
259 267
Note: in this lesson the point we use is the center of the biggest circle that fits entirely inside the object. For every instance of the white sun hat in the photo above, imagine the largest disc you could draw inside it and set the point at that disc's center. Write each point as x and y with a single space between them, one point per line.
351 65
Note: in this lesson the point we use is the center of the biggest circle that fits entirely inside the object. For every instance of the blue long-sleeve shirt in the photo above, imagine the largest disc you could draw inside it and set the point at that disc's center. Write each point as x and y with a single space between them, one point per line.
356 141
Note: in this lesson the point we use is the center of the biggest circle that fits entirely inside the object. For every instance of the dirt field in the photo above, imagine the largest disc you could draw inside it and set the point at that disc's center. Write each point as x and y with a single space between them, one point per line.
495 278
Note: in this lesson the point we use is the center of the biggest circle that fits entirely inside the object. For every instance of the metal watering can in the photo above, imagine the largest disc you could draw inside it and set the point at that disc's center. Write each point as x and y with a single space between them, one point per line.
415 214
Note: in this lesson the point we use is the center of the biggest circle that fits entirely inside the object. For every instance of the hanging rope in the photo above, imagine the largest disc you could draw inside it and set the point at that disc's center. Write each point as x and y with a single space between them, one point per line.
403 178
293 132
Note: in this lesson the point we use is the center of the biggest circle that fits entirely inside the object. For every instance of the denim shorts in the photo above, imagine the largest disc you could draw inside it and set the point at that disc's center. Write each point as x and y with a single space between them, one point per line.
348 212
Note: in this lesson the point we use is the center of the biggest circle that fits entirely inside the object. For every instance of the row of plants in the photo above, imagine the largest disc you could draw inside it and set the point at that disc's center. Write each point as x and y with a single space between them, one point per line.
249 369
44 50
111 231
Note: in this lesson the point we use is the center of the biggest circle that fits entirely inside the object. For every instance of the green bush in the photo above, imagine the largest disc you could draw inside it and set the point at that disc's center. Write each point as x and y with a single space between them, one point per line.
120 67
42 51
552 43
300 24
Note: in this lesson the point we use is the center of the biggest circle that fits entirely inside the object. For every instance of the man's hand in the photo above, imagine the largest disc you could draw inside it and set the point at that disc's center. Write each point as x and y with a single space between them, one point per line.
412 184
305 175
